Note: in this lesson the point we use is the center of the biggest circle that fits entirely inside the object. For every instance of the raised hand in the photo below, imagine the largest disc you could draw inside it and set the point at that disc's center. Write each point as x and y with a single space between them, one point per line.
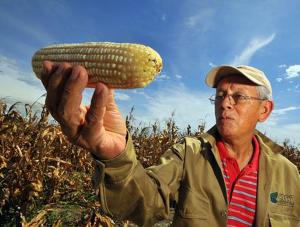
99 127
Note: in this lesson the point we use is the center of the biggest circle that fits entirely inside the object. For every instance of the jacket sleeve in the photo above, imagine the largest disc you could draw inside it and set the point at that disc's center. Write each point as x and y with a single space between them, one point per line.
128 191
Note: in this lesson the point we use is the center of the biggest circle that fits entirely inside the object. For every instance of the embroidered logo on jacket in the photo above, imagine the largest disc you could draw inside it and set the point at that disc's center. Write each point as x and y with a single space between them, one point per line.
282 199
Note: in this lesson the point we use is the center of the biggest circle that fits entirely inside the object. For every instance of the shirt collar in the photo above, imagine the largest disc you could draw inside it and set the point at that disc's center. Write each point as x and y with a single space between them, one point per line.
253 163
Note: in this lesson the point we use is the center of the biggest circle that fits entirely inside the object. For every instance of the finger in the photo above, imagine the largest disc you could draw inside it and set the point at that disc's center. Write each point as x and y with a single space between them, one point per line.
113 120
70 112
98 105
55 87
93 129
48 69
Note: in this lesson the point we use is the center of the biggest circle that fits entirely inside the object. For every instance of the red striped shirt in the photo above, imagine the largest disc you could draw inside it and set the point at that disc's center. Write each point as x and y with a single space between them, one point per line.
241 186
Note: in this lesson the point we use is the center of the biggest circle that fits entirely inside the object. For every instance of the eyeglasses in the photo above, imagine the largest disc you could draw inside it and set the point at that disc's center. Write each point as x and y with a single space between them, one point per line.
234 99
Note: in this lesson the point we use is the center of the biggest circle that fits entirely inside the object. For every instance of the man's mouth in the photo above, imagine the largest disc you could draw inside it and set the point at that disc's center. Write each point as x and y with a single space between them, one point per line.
225 118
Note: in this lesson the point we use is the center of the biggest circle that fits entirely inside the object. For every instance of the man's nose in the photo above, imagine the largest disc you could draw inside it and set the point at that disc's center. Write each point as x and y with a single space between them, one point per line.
227 102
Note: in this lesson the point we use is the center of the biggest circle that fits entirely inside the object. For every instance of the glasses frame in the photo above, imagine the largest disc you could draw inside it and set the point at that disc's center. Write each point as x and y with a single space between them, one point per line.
233 100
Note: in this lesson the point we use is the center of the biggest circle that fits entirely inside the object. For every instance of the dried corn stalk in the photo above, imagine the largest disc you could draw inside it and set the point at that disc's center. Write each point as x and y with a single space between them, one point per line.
119 65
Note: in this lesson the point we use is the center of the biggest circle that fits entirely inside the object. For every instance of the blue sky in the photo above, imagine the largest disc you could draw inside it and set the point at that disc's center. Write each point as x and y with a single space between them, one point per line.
192 36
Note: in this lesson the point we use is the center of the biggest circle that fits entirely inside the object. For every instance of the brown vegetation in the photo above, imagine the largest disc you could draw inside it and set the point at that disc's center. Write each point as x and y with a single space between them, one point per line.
45 180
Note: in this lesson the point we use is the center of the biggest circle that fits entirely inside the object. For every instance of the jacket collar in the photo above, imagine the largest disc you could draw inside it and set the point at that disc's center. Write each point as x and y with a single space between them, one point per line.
262 138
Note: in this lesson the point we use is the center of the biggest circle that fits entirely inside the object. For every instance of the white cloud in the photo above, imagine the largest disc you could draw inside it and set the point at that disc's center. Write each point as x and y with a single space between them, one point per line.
212 64
292 71
136 91
281 132
255 44
141 93
9 68
285 110
279 79
178 76
280 114
13 86
282 66
14 90
190 107
162 77
121 96
164 17
202 20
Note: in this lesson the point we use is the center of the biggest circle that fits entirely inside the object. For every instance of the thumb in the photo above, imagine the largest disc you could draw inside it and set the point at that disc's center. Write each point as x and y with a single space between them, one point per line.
113 120
97 108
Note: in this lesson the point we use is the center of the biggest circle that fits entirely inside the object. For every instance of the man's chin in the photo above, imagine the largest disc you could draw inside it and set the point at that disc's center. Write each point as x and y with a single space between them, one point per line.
226 131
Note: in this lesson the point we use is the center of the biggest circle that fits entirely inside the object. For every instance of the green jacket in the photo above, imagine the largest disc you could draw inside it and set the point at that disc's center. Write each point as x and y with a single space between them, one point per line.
189 174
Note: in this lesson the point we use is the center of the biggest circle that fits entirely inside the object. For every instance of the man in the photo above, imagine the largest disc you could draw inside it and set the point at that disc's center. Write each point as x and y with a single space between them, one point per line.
232 175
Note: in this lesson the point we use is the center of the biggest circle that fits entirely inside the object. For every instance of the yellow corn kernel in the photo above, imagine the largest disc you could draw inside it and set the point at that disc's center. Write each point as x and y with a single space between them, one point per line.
118 65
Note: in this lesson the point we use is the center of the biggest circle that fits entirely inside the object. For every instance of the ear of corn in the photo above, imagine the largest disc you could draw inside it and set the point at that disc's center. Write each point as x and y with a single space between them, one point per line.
119 65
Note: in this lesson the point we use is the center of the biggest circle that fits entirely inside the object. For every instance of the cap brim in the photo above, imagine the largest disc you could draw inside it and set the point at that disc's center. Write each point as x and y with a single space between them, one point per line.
217 73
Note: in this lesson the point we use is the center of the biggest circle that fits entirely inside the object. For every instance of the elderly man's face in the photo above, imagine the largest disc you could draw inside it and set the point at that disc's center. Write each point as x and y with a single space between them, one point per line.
235 120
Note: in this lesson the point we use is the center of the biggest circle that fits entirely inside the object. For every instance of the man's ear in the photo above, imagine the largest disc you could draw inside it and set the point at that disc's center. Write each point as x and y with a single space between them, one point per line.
265 110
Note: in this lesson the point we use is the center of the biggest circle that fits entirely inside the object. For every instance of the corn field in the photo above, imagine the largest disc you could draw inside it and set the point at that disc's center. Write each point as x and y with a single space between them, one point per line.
46 181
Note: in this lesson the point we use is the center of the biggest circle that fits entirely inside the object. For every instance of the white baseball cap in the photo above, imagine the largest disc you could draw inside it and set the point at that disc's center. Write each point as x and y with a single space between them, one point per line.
253 74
